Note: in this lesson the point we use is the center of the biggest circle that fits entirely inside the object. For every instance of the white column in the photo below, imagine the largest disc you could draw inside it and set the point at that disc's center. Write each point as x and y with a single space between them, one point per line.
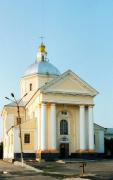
91 128
43 126
82 127
39 127
52 127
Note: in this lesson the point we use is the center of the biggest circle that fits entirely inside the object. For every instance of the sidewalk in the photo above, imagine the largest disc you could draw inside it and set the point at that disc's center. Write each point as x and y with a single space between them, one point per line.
61 168
99 169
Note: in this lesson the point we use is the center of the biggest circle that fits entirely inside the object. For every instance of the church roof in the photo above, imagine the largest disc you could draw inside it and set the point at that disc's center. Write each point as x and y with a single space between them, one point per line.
98 126
90 91
12 104
94 92
42 67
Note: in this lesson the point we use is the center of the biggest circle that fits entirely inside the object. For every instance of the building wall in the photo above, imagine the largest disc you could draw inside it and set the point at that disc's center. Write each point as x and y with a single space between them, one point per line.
36 81
66 98
71 118
29 125
63 100
99 138
11 132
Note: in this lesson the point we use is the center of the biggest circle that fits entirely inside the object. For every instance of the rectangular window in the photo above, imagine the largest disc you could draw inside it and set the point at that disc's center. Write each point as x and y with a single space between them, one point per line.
18 120
26 138
30 87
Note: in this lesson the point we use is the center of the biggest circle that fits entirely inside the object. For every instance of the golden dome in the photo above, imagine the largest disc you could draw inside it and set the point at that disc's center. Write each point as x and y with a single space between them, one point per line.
41 48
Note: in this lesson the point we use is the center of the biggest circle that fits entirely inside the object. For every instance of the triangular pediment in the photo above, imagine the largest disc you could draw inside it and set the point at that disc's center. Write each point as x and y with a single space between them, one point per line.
69 83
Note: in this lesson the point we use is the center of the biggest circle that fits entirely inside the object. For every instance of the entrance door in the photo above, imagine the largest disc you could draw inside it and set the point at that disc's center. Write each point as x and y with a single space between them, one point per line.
64 150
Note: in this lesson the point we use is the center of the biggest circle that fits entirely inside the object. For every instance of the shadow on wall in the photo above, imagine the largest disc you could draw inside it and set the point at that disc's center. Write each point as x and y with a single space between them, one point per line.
1 150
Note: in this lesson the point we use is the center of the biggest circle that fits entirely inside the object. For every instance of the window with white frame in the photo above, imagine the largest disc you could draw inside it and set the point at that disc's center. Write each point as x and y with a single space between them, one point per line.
63 127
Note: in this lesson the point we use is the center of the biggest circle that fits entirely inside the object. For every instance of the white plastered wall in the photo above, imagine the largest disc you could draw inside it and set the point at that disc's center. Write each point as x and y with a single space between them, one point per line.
8 136
99 140
11 144
16 141
10 120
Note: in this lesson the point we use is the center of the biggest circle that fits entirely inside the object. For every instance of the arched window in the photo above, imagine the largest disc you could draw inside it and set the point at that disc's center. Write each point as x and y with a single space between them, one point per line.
63 127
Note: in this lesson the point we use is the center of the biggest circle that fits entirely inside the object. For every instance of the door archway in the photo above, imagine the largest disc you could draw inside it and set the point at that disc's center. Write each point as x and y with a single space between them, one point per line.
64 150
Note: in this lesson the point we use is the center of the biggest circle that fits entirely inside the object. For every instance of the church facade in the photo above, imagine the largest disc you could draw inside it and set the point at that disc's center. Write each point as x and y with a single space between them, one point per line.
56 115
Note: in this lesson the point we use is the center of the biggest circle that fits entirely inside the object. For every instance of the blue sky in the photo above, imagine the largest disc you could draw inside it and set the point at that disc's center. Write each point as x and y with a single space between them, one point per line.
78 36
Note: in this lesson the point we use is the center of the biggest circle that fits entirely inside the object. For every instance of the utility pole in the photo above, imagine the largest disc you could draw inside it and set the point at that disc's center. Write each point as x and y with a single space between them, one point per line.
18 121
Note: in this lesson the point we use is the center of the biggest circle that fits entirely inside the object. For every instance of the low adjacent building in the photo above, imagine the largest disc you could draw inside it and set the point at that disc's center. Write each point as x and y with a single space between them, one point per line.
109 133
99 133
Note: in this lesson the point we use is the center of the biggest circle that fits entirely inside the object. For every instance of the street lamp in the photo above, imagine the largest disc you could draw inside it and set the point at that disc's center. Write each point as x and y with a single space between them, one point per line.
18 120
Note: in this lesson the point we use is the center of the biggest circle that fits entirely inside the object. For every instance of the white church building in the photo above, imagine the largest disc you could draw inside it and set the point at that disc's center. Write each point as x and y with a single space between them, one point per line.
56 115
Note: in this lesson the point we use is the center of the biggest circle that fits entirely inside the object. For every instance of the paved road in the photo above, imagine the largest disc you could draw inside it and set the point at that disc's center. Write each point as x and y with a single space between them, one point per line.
95 170
12 172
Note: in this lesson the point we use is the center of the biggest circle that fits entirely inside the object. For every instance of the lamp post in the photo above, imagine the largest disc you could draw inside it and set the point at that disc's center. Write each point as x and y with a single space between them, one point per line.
18 121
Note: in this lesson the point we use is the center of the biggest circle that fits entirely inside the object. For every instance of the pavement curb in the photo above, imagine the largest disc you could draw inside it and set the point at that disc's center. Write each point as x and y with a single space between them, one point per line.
17 163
